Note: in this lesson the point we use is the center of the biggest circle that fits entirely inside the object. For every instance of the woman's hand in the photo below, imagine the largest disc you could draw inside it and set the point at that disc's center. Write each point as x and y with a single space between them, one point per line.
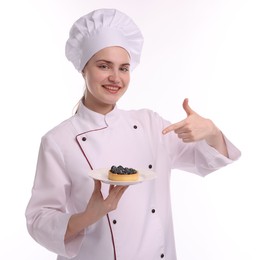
195 128
97 207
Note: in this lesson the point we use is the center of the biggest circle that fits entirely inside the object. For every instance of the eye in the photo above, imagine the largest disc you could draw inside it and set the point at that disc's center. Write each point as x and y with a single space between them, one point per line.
103 66
124 69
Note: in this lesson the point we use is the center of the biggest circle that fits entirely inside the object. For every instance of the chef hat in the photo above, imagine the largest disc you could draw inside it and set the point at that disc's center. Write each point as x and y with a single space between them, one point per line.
100 29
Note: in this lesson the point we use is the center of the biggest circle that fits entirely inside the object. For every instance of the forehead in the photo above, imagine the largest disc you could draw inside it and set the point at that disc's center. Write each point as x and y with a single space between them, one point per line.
113 54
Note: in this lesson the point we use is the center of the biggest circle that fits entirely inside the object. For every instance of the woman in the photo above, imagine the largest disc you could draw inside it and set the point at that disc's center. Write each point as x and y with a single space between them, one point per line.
80 218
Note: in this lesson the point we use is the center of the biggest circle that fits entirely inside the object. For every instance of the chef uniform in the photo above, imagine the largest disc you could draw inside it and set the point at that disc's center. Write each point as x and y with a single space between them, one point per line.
141 226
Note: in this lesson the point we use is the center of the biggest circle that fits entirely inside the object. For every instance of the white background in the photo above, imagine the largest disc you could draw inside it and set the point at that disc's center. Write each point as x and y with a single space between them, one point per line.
205 50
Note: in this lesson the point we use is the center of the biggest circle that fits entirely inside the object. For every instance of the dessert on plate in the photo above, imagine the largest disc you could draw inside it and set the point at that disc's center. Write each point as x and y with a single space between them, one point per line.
120 173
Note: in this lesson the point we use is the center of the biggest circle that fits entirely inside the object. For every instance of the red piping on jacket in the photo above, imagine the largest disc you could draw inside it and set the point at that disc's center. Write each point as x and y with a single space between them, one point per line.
108 219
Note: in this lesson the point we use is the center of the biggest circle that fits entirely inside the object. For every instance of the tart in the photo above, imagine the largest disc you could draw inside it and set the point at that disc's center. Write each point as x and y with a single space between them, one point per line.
120 173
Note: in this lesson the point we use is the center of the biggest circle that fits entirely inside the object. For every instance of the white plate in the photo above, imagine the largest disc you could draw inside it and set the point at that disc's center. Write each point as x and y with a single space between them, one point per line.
102 175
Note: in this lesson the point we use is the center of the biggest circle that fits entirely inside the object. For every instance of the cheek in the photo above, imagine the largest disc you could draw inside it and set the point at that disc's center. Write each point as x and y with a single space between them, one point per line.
127 80
92 79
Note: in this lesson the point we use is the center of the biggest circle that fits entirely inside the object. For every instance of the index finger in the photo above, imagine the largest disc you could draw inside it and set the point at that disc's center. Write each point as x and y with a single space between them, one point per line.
116 193
173 127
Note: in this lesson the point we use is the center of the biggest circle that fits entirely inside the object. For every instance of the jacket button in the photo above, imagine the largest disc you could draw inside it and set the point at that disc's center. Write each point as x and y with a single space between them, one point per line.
153 211
84 139
150 166
114 221
135 126
162 256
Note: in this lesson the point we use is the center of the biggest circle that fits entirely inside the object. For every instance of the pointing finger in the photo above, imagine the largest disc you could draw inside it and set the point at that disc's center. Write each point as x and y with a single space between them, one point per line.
173 127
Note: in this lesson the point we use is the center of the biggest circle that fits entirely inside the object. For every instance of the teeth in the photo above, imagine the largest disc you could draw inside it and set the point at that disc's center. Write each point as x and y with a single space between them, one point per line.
111 88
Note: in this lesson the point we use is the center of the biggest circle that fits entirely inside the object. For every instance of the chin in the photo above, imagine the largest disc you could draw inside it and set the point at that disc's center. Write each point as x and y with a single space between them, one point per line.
112 102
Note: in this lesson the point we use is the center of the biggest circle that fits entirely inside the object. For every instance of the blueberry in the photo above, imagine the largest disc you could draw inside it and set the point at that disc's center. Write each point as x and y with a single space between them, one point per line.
113 169
122 170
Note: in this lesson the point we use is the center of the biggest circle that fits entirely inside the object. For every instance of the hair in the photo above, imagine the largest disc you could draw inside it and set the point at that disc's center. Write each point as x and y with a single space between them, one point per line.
75 108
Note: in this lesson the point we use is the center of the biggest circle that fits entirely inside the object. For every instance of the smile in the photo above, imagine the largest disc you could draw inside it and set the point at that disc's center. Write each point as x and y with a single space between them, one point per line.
111 88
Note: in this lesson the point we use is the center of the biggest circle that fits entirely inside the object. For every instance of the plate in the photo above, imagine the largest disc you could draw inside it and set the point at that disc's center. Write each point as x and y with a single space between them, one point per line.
102 175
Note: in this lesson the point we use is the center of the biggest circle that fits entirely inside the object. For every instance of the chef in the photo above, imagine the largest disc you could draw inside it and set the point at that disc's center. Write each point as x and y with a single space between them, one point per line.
74 214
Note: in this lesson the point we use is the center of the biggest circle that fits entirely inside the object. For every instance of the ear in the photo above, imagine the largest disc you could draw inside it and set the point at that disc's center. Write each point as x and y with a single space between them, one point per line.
83 72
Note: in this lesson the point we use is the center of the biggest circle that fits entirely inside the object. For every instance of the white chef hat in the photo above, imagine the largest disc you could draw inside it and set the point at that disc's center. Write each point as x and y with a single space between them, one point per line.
100 29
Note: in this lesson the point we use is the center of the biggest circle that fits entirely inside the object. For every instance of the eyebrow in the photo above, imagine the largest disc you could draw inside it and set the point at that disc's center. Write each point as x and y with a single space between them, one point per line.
110 62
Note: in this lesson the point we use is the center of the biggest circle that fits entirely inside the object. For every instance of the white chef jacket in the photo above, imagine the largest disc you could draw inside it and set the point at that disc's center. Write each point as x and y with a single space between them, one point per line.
141 227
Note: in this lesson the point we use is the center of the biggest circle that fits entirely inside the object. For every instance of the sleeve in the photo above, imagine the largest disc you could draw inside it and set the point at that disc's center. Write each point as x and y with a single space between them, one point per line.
46 213
196 157
206 159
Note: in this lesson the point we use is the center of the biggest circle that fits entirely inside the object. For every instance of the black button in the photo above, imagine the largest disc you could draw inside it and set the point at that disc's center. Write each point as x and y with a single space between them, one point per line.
114 221
84 139
153 211
150 166
135 126
162 256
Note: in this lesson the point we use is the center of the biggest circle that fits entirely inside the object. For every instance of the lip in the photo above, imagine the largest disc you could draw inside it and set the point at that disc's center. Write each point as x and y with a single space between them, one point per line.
113 89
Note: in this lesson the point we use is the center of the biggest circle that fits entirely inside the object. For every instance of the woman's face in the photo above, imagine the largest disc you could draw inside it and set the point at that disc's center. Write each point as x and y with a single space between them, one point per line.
107 76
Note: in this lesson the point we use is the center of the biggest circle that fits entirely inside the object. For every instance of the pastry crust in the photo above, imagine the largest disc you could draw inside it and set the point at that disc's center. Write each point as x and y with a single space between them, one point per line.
123 177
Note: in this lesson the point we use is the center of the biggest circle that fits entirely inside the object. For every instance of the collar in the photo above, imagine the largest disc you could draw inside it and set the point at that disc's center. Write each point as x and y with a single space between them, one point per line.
97 120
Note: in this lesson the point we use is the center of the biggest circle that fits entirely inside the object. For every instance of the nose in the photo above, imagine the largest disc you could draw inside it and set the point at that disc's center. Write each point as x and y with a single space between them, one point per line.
114 77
